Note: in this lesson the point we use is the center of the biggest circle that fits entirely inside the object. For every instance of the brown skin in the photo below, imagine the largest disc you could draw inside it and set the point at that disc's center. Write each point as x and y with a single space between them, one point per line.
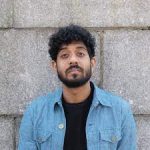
74 53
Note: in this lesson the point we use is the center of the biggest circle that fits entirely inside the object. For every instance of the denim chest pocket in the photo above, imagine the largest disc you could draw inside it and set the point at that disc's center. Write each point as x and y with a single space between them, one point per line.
109 139
43 139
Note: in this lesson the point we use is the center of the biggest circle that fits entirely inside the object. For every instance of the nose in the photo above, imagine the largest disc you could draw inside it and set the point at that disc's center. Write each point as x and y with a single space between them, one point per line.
73 60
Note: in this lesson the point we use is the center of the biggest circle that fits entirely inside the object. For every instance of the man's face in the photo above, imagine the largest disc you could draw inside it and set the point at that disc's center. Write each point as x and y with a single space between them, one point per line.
73 64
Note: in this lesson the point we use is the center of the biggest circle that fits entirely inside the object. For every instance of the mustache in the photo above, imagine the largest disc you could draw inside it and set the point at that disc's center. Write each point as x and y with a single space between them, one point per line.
72 67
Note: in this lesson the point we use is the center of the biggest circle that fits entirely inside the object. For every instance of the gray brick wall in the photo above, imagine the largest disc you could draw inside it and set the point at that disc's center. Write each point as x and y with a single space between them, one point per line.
122 33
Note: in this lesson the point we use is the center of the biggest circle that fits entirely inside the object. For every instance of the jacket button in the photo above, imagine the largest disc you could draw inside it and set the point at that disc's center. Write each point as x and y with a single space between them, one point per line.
61 126
113 139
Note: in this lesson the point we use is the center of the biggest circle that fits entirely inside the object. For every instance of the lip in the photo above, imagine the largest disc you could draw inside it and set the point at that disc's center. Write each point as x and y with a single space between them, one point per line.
73 70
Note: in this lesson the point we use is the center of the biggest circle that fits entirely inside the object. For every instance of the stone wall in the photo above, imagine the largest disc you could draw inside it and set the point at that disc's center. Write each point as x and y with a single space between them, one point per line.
122 31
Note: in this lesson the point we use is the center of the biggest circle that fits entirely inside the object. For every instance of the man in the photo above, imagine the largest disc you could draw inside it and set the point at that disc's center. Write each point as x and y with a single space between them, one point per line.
78 116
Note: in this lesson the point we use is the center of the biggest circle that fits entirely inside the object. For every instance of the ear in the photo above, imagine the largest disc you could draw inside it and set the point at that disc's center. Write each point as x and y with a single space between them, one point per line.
93 62
53 64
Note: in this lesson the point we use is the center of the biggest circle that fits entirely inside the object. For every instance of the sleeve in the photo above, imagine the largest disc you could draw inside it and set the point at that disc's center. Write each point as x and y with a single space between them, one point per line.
26 141
128 130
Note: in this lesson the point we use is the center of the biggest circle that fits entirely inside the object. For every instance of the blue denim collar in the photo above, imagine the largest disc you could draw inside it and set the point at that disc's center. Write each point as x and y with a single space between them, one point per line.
99 97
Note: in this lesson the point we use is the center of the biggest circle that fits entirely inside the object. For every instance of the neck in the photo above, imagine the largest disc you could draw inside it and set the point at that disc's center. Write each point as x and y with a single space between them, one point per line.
76 95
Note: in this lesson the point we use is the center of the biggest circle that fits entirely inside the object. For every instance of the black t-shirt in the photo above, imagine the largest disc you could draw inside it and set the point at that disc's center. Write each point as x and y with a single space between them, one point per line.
76 116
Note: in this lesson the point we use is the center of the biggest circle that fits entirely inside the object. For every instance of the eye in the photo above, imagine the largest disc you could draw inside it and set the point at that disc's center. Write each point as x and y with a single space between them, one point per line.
65 55
80 54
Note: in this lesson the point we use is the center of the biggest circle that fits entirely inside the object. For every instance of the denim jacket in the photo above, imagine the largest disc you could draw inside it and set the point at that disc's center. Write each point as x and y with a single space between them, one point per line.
110 124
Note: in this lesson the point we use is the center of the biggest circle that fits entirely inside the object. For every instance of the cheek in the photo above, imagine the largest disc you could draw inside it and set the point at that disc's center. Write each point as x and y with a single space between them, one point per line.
86 66
61 67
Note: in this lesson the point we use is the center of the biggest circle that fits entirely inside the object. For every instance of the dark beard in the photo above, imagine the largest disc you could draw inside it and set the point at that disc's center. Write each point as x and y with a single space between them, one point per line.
75 82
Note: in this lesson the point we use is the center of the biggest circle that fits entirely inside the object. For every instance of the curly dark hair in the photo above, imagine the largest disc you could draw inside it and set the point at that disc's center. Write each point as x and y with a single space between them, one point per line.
68 34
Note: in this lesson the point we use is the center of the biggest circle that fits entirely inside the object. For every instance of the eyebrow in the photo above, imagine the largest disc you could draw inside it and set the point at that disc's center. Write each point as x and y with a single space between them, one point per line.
81 47
78 47
62 48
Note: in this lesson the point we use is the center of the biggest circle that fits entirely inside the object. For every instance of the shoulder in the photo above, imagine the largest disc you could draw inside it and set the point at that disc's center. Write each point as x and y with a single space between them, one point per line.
41 103
37 105
116 109
116 102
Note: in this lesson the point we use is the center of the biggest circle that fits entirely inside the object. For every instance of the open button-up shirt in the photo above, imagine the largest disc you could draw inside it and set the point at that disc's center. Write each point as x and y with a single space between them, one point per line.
110 124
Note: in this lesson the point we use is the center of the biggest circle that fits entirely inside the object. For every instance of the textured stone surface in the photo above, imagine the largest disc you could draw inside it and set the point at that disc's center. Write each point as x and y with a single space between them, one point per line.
44 13
96 72
37 13
6 13
127 67
143 128
6 136
17 122
24 68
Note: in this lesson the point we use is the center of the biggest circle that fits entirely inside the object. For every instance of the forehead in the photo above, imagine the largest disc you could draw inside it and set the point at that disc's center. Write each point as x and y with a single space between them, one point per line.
73 44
